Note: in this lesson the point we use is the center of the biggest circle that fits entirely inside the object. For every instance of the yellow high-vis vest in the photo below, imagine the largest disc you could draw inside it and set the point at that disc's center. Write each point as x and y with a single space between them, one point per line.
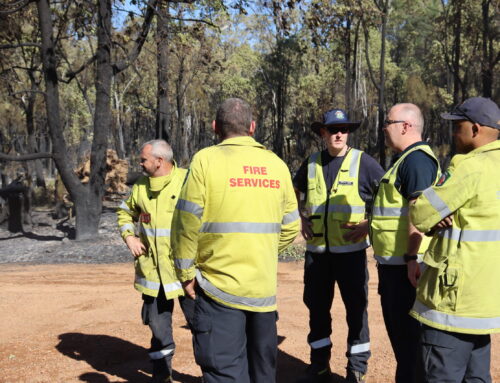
459 290
151 206
328 210
237 210
389 218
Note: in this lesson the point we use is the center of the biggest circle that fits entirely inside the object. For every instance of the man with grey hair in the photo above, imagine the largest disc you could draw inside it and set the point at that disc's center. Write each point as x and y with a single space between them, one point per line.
151 205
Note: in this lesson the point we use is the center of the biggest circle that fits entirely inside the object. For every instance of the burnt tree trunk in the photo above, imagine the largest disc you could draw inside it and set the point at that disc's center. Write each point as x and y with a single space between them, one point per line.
162 60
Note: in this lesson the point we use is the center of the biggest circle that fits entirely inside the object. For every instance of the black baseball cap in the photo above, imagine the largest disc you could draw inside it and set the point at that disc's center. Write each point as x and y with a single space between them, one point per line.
476 109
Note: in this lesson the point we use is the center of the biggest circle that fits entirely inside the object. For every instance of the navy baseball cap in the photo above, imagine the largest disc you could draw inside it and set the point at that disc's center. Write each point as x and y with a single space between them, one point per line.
335 117
476 109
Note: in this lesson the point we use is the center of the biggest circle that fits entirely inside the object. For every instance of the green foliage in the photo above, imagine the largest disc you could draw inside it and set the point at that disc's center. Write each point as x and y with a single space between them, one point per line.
294 252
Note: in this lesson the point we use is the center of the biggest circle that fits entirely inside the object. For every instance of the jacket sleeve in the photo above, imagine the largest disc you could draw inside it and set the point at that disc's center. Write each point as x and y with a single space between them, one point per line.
290 224
443 199
186 222
128 213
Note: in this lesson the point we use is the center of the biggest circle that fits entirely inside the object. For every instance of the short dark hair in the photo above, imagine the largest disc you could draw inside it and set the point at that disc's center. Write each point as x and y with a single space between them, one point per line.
234 116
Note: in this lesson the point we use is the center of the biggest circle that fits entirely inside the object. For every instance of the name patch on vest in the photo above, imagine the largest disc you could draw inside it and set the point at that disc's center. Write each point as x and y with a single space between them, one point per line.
253 181
349 183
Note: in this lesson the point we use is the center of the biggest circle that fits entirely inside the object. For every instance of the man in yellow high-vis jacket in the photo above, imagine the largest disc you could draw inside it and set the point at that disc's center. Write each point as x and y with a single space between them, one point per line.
336 184
236 211
397 245
458 293
151 205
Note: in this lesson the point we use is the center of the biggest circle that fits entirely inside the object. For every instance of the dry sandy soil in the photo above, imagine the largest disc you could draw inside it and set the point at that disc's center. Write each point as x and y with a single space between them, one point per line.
80 323
69 313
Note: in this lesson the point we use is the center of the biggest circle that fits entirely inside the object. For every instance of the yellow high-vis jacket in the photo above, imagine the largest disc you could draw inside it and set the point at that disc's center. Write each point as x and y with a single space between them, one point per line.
236 211
328 210
389 219
151 204
459 290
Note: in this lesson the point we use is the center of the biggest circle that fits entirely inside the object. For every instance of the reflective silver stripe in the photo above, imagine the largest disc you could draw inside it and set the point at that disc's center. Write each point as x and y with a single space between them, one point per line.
290 217
317 209
353 168
124 206
349 209
183 264
390 260
233 299
311 167
390 211
320 343
127 226
189 207
147 284
241 227
151 232
470 235
161 354
436 202
316 249
172 286
455 321
351 247
358 348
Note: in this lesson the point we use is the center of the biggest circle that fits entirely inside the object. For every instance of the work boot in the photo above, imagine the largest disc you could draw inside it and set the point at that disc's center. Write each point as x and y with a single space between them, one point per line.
355 377
162 372
162 378
316 373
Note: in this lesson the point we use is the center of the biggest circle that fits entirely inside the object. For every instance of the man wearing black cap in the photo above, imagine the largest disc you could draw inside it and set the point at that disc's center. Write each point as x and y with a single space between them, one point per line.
336 184
458 293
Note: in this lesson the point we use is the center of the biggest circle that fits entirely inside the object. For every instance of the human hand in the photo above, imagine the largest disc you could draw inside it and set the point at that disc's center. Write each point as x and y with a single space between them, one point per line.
189 288
306 228
413 272
445 223
358 231
135 245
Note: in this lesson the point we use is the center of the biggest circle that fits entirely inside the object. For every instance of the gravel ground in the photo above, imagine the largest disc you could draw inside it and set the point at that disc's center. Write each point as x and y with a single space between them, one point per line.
47 242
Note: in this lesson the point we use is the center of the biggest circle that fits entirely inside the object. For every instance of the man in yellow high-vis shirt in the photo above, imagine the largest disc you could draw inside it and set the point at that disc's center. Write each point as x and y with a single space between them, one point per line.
458 294
397 245
236 211
336 184
151 204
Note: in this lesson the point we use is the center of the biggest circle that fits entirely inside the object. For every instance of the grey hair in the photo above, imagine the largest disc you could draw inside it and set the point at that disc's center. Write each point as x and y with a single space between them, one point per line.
412 113
160 149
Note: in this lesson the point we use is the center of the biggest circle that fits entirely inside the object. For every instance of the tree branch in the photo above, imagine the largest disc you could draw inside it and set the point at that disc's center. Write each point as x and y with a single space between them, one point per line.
13 46
148 17
70 75
18 5
25 157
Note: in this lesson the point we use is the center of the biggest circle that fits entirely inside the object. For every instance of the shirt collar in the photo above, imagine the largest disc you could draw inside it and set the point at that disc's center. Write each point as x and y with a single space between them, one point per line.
241 141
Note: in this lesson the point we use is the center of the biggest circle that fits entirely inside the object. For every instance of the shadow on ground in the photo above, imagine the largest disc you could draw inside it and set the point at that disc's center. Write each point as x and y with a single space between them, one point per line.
128 361
291 368
113 356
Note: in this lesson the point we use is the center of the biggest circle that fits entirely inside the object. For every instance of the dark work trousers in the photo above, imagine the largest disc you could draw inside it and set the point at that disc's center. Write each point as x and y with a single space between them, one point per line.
450 357
234 346
397 296
157 314
350 272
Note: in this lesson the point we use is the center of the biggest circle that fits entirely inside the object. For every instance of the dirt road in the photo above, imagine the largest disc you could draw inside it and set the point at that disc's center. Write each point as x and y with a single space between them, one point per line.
81 323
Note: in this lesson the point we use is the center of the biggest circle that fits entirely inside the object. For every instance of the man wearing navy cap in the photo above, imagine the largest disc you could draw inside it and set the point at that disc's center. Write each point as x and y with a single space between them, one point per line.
336 185
458 293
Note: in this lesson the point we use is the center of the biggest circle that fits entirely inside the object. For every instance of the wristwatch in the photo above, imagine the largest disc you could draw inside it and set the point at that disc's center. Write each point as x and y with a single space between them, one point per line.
408 257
